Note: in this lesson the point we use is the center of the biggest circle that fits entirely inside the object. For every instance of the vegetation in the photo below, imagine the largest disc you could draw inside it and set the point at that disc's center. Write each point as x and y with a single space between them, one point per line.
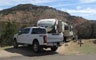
87 30
8 31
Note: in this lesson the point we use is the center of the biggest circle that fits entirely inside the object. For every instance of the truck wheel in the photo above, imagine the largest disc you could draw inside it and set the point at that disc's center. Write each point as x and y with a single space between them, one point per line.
36 47
54 48
15 44
65 39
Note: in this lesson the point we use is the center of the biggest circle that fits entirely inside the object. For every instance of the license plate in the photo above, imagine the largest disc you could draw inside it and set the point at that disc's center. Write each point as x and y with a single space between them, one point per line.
52 44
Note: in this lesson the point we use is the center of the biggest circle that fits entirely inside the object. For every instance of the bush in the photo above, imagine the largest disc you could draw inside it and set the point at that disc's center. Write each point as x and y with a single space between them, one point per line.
9 29
86 30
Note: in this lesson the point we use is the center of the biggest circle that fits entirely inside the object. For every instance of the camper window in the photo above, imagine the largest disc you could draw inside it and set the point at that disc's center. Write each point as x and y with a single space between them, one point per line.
66 27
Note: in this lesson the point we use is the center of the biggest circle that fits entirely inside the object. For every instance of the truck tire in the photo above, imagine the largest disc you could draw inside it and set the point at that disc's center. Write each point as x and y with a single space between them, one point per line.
65 39
54 48
15 44
36 47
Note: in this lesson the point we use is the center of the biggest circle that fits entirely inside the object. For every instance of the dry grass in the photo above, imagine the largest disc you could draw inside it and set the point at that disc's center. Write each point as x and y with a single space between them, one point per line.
73 48
70 49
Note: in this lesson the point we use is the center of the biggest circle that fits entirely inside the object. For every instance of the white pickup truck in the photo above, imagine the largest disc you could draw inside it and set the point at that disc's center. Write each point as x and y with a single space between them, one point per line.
38 38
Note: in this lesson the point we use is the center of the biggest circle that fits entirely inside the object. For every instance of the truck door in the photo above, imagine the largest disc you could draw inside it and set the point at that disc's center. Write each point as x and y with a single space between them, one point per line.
23 37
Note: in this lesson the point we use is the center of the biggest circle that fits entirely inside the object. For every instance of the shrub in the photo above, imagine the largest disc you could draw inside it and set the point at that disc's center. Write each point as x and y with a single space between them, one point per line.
9 29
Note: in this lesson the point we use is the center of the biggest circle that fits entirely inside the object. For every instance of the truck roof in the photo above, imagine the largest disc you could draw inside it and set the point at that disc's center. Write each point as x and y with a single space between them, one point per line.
34 27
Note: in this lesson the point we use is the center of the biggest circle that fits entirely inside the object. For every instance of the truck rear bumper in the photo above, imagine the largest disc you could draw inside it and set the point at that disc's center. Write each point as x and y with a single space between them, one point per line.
53 43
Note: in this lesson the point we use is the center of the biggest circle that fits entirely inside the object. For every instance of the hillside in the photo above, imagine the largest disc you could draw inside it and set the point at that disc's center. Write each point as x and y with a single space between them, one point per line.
29 14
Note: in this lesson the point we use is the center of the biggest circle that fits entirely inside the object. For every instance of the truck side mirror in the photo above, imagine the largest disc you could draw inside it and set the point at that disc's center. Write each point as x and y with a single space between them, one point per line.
19 33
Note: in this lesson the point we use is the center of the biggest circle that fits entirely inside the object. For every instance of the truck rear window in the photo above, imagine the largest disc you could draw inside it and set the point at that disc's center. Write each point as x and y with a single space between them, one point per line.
38 31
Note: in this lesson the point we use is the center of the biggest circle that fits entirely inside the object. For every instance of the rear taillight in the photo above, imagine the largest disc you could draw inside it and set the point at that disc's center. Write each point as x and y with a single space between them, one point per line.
44 38
63 37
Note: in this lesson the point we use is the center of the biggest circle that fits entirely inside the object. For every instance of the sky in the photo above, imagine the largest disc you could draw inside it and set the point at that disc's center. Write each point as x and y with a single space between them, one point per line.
82 8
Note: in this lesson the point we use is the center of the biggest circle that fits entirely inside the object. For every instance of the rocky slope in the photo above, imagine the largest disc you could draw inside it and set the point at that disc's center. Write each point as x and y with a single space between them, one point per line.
30 14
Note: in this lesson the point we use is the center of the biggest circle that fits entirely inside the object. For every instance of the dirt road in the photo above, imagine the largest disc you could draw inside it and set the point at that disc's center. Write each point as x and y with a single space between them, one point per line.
24 53
52 57
27 51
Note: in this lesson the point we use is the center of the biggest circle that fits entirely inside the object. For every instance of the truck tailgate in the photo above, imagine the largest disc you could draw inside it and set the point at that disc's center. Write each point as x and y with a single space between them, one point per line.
55 38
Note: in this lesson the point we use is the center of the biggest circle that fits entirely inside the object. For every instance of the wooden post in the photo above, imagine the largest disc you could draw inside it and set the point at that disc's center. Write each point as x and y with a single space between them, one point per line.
80 42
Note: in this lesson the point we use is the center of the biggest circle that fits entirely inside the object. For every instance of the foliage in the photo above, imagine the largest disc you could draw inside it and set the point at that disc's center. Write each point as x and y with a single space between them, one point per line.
86 30
9 29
